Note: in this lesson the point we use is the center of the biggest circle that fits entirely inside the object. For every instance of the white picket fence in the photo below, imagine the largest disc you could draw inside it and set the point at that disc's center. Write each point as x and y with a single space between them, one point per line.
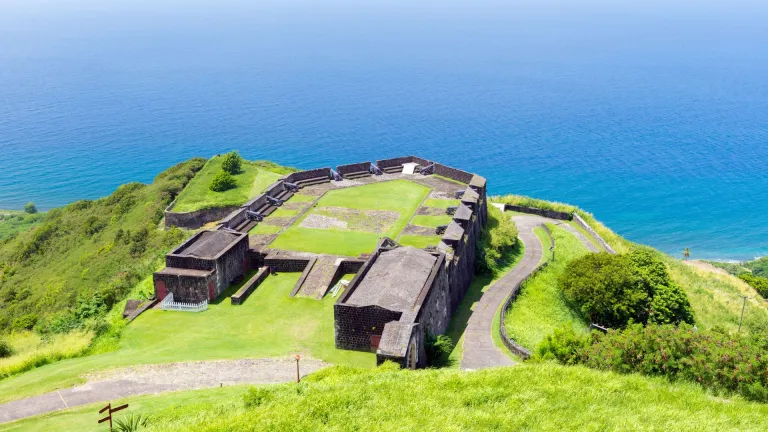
169 304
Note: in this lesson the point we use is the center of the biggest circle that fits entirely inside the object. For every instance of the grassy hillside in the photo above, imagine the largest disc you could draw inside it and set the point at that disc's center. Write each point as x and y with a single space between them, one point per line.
715 298
88 255
531 397
252 179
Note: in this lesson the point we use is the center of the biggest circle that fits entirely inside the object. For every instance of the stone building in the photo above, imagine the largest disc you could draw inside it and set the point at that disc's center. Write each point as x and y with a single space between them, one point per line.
203 266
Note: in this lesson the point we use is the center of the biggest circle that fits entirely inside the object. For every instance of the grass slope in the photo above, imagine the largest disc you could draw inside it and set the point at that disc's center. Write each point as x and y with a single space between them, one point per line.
527 397
401 196
13 222
268 324
419 241
106 245
541 307
252 179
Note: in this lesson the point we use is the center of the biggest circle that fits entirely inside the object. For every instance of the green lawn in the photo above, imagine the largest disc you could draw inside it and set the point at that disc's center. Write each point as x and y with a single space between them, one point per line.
263 228
282 212
401 196
250 182
268 324
542 397
541 306
302 198
419 241
441 203
431 221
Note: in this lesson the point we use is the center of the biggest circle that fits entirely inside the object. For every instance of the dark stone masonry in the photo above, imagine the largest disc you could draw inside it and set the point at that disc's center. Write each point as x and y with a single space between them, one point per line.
399 297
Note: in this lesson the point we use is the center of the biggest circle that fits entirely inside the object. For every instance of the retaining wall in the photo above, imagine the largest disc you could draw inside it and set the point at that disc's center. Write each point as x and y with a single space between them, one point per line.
540 212
242 294
196 219
581 222
387 163
306 175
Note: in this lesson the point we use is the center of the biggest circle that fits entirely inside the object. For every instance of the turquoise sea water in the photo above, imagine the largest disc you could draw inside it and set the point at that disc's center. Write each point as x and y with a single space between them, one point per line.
653 115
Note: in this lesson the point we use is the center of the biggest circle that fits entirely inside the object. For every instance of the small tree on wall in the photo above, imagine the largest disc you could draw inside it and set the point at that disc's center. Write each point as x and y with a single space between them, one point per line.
232 163
686 253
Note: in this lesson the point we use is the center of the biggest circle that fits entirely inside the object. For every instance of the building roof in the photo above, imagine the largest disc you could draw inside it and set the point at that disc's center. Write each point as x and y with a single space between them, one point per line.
208 244
395 338
395 279
463 213
173 271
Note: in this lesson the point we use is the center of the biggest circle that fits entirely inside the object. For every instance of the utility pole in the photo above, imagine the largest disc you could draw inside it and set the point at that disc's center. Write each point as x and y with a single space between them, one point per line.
743 305
298 375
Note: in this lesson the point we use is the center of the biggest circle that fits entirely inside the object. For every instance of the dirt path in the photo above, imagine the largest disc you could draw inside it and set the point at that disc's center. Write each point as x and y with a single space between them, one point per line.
479 349
152 379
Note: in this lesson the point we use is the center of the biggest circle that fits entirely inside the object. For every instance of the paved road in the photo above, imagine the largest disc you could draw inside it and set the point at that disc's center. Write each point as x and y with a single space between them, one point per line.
479 349
153 379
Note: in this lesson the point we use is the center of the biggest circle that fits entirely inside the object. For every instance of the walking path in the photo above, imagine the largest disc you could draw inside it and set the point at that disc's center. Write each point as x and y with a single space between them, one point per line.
152 379
479 349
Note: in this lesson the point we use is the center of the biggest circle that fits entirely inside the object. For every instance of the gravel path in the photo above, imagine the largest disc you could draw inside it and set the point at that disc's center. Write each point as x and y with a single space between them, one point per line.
152 379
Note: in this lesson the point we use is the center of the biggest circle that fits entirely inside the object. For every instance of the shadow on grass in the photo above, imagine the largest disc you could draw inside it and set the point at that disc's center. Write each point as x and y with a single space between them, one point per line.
480 283
224 296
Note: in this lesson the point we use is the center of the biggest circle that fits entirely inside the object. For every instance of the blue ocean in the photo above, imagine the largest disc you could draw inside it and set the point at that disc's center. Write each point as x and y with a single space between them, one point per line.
651 114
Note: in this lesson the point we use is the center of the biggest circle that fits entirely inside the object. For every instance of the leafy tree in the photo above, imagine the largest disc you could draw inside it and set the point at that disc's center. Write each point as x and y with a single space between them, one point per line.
670 305
759 266
25 322
5 349
232 163
222 181
605 288
30 208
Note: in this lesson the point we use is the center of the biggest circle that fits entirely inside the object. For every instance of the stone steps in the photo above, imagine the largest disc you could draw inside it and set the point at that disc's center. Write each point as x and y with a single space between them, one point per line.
318 282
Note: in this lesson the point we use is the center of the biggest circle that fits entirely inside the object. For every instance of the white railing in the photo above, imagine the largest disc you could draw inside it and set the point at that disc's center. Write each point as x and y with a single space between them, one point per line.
169 304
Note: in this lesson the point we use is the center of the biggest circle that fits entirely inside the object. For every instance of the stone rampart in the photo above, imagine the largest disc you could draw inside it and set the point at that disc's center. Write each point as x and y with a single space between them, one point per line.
287 264
275 188
306 175
453 173
355 325
234 219
196 219
353 168
388 163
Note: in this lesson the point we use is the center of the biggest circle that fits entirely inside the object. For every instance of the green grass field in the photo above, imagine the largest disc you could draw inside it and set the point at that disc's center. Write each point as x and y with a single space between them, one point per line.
13 222
263 228
541 308
419 241
400 196
268 324
250 182
542 397
431 221
441 203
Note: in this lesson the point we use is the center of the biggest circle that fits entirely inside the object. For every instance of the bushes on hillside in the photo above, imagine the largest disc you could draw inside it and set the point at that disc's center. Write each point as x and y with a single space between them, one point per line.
30 208
5 349
616 290
232 163
714 359
222 181
438 349
760 284
496 241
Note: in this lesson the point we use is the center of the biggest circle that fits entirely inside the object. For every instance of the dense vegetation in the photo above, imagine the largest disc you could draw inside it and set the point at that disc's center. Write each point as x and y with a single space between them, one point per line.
14 222
717 360
754 273
615 290
495 242
88 255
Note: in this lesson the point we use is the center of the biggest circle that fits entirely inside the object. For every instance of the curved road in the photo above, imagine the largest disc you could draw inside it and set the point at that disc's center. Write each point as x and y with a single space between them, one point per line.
479 349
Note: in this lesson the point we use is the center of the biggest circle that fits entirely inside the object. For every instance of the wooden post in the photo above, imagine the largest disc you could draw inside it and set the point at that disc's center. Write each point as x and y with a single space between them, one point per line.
298 375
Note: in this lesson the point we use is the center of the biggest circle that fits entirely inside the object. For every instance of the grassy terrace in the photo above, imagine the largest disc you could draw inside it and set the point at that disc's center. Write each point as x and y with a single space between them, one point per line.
541 307
385 207
253 178
268 324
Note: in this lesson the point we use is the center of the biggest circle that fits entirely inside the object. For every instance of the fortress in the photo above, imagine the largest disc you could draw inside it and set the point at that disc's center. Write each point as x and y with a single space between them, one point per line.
398 296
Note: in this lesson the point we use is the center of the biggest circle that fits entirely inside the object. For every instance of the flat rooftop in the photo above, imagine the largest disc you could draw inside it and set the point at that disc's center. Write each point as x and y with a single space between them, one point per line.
395 279
173 271
208 244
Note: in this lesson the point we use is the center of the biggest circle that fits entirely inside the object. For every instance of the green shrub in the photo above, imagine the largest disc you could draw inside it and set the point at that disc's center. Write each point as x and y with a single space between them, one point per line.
131 423
438 349
604 288
496 241
30 208
232 163
222 181
759 267
25 322
5 349
759 283
563 345
256 396
670 305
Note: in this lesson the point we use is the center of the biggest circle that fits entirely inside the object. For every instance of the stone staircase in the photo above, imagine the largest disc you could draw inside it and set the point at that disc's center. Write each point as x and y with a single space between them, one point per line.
318 282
